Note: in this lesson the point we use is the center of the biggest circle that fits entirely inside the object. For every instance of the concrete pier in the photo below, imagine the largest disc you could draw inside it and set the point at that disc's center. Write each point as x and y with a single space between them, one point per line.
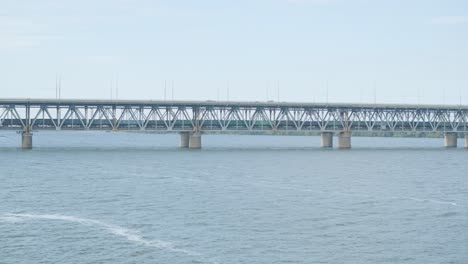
327 140
184 139
195 141
26 140
344 140
451 139
466 141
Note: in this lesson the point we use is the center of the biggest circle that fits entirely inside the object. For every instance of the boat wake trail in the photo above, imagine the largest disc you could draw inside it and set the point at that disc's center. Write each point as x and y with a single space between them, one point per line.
130 235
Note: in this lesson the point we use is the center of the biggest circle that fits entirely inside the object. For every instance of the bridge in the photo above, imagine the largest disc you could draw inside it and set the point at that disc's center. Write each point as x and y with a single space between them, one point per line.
191 119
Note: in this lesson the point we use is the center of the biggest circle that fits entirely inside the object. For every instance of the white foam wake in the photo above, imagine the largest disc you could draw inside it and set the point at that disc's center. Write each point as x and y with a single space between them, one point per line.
128 234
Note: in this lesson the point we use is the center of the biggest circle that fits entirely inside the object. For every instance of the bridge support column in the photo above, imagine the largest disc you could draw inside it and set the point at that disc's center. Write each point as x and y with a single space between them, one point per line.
466 141
195 140
26 140
451 139
327 140
184 139
344 140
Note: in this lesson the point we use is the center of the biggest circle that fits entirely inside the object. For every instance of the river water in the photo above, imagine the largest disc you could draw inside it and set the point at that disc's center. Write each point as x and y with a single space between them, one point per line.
92 197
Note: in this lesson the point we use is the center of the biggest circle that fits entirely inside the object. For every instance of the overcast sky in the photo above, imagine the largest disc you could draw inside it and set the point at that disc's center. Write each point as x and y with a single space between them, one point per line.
409 51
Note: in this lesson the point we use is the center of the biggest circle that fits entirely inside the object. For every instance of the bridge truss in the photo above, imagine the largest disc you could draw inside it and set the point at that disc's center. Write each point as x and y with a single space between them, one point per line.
205 116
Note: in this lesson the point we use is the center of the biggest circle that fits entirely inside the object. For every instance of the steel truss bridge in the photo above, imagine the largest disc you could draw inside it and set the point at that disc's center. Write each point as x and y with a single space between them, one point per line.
215 116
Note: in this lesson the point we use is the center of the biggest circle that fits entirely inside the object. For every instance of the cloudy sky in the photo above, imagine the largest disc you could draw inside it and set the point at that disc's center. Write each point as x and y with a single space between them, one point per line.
407 51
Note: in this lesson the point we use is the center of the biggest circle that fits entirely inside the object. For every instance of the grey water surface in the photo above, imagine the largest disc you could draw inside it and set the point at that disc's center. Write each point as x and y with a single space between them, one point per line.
89 197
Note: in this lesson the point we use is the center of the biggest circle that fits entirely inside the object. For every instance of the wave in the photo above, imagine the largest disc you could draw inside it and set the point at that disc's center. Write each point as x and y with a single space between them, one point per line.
427 200
130 235
376 198
421 200
448 214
